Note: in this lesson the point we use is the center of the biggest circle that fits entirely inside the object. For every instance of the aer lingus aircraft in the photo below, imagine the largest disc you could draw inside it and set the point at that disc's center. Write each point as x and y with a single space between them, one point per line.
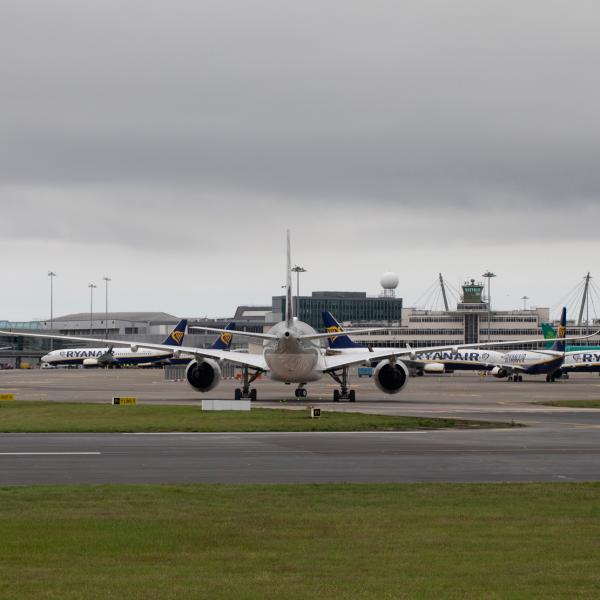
292 353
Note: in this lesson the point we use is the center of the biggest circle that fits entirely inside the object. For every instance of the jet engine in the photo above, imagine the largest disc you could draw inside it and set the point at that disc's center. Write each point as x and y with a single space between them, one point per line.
390 377
434 368
204 375
90 362
499 372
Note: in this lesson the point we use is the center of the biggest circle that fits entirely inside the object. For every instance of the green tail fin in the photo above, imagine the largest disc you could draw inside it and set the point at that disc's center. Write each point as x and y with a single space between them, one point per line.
549 333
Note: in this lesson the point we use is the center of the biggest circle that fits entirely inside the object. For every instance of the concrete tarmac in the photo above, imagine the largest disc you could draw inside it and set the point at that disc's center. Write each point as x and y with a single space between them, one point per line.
559 443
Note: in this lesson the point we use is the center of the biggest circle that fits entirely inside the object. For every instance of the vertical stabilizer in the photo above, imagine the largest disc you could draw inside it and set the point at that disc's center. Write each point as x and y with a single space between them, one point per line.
289 309
223 342
559 346
175 338
337 342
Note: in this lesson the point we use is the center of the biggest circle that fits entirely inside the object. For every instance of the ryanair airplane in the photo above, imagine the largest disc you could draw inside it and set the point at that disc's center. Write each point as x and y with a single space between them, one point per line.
111 356
292 353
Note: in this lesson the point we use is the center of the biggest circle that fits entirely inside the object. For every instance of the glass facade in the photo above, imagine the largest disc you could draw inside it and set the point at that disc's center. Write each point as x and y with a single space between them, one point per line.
355 307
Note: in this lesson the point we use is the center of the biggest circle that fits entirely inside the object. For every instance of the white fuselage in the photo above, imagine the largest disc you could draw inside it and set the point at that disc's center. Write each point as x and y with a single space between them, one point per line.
290 359
533 362
583 361
77 356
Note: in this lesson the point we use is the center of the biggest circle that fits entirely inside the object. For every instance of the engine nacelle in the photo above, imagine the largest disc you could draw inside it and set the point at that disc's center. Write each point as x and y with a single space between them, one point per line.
90 362
389 377
499 372
434 368
203 376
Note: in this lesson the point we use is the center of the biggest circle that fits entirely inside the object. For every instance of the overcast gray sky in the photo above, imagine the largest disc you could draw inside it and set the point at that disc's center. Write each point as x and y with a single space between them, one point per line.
169 145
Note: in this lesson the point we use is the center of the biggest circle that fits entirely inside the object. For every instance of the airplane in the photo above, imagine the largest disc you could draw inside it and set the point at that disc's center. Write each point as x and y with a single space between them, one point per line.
292 353
438 361
578 359
547 362
111 356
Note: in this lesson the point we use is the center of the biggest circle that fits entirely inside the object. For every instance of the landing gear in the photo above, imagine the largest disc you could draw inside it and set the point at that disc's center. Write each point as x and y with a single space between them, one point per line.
515 378
343 393
247 380
550 378
300 391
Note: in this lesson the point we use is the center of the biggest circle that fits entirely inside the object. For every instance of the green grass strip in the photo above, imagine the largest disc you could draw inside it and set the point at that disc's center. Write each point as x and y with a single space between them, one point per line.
37 417
260 542
573 403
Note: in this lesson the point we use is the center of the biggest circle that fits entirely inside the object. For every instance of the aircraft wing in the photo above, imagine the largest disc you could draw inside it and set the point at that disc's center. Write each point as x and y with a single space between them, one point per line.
251 334
356 358
255 361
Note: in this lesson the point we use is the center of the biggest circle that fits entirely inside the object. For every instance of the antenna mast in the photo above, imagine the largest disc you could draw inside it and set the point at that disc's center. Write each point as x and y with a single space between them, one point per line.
584 298
443 286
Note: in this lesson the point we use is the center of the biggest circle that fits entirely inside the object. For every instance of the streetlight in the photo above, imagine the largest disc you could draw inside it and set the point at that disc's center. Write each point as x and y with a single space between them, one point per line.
488 275
52 275
297 269
92 287
106 280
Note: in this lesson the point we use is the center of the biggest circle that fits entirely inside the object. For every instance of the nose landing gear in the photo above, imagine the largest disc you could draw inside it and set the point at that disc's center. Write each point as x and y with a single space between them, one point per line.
300 391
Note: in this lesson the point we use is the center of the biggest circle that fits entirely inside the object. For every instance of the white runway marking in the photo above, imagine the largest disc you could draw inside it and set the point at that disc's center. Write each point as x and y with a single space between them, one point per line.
50 453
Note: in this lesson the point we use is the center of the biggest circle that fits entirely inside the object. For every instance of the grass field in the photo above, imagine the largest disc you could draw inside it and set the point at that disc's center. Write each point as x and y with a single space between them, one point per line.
574 403
70 417
328 542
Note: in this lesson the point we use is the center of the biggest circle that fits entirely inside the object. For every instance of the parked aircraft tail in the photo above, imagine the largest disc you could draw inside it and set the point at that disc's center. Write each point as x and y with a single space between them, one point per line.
223 342
559 346
289 308
175 338
337 342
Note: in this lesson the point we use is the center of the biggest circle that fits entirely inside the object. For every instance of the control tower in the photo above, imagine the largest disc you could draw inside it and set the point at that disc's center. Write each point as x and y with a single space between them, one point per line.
472 304
472 296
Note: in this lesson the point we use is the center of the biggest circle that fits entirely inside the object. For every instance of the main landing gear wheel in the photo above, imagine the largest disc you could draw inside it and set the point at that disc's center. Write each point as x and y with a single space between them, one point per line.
550 378
300 392
246 392
343 393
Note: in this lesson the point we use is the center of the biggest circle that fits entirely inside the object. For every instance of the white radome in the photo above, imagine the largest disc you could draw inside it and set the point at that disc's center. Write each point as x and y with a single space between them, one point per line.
389 281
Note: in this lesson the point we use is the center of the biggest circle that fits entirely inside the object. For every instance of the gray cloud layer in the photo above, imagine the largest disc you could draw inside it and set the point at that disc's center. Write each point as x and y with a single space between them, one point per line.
434 136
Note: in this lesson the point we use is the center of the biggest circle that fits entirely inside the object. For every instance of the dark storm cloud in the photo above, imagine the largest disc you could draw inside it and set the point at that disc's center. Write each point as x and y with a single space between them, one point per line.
193 126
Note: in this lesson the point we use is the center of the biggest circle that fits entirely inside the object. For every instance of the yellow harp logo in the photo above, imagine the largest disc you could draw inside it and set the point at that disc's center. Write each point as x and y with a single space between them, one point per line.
177 336
226 338
334 329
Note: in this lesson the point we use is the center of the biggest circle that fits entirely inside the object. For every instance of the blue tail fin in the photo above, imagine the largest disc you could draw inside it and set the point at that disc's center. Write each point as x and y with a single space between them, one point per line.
223 342
337 342
176 336
559 346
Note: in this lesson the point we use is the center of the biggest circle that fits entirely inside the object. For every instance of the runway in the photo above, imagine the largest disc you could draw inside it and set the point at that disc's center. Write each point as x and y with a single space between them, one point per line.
558 444
451 456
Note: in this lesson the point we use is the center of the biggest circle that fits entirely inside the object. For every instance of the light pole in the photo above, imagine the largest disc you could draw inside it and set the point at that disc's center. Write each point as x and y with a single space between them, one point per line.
297 269
106 280
92 287
52 275
488 275
525 298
